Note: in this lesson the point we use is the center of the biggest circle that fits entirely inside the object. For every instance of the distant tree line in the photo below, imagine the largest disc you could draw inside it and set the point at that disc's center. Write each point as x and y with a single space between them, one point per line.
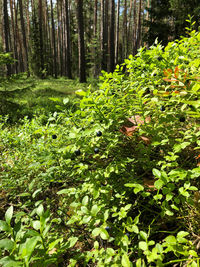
83 37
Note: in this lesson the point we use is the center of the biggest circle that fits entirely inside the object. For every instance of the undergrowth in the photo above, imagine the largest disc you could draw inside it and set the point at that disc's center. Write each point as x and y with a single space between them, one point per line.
112 177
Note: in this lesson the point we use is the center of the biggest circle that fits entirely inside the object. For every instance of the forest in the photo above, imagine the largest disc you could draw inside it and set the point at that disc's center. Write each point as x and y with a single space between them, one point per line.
99 133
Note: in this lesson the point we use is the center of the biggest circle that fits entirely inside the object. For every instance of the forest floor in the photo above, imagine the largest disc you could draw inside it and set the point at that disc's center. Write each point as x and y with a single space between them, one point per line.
21 96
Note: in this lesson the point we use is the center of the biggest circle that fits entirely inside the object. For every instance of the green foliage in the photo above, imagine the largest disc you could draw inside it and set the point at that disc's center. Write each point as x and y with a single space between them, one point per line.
168 19
40 59
132 202
5 59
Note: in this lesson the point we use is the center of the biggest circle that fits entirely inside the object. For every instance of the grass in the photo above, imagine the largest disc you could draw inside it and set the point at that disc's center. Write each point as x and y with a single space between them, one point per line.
21 96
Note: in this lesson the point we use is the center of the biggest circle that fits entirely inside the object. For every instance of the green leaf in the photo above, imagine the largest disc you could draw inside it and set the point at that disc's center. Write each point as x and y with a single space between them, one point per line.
106 215
127 207
31 232
181 237
4 226
72 241
40 210
6 244
169 197
194 188
95 209
158 184
96 244
85 200
26 194
65 100
171 240
151 243
110 251
54 243
86 219
80 92
183 192
143 235
143 245
125 261
63 191
137 187
36 192
133 228
36 225
104 234
29 246
8 261
55 99
193 253
156 173
9 214
169 212
96 232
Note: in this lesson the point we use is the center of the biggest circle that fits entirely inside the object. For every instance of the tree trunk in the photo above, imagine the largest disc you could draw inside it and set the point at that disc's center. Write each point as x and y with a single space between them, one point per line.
48 35
81 44
19 41
117 34
14 36
129 35
41 38
124 33
112 37
138 38
68 44
95 38
6 32
54 42
24 35
134 28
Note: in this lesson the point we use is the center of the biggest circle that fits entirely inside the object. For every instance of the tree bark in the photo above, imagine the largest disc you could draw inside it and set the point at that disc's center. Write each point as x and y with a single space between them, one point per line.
6 32
95 38
117 34
129 35
112 37
19 41
81 43
68 43
134 28
124 33
54 42
14 36
138 38
41 37
24 35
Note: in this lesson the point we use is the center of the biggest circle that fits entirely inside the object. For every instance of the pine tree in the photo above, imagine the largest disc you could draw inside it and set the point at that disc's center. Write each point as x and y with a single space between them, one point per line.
160 22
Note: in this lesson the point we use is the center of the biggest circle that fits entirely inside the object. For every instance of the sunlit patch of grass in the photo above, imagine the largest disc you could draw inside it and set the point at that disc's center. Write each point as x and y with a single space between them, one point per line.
33 94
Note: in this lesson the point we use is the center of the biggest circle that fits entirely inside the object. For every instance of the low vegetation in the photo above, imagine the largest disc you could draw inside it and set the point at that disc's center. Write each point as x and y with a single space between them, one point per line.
107 176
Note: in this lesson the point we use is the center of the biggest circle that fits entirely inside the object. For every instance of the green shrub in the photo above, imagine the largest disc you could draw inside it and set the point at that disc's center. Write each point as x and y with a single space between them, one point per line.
128 196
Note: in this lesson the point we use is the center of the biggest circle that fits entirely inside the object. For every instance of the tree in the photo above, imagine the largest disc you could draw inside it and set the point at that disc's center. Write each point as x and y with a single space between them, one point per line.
95 38
81 43
117 33
138 33
6 32
159 25
112 37
134 28
41 51
24 35
104 34
180 11
54 41
14 36
124 32
68 43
